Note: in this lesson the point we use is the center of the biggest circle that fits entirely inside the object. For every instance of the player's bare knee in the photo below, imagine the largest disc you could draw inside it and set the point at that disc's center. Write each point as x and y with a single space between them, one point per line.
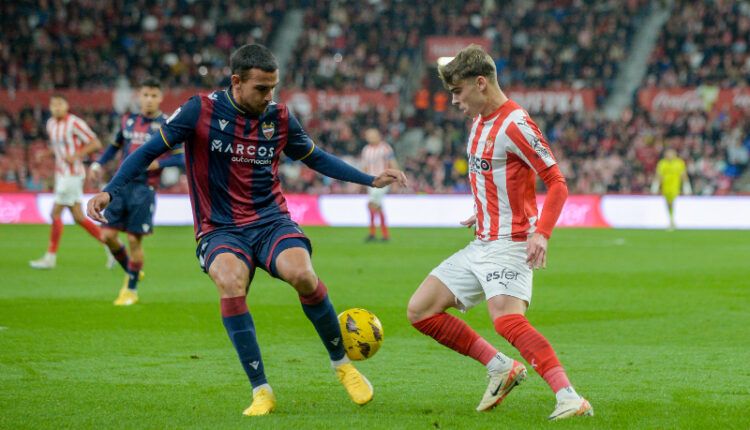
416 311
304 280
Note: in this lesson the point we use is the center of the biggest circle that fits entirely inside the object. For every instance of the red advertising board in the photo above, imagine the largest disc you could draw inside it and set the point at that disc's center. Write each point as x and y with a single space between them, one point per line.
549 101
735 101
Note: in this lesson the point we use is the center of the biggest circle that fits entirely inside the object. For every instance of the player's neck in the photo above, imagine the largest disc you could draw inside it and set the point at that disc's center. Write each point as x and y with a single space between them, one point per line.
496 99
151 115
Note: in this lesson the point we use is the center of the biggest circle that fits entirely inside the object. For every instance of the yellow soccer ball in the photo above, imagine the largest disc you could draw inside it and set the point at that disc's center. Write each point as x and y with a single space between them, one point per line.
361 333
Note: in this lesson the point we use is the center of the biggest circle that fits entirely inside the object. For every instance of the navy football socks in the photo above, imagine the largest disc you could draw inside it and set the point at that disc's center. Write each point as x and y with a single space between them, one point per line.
319 310
241 330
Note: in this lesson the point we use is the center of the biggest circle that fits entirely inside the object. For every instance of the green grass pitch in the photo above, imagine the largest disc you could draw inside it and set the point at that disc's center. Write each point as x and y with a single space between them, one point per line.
652 326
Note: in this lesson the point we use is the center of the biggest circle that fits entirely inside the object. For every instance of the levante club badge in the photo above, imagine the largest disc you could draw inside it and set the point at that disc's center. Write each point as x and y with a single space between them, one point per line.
268 129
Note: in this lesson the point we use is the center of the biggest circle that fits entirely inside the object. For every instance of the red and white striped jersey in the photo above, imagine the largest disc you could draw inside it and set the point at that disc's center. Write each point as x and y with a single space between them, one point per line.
376 158
506 149
67 136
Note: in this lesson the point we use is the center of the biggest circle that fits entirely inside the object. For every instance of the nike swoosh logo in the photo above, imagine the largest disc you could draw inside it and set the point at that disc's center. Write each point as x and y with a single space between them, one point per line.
497 390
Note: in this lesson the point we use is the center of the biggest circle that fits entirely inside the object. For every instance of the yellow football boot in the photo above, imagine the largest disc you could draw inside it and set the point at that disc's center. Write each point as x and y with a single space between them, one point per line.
357 386
264 402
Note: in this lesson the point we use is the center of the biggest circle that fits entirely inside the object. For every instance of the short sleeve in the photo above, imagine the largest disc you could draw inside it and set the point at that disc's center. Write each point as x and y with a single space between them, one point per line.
180 126
299 145
528 142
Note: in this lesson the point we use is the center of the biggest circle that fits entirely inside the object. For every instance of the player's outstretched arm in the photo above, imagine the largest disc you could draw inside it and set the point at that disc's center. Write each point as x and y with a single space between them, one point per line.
335 168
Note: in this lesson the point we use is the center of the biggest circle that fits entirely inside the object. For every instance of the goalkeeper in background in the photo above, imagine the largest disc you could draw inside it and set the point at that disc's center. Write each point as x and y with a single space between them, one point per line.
671 173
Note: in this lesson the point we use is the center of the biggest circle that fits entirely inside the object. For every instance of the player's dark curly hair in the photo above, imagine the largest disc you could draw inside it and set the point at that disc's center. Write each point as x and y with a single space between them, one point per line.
151 82
470 62
248 57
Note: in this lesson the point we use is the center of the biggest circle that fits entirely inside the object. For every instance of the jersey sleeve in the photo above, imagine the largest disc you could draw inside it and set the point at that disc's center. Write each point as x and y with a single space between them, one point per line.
299 145
83 131
528 143
119 140
179 127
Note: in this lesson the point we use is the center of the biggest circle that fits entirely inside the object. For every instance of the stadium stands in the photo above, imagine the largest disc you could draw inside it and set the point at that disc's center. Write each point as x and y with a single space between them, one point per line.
378 46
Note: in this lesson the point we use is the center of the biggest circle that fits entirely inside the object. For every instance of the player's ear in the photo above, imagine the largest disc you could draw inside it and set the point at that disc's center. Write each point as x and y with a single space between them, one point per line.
235 80
481 83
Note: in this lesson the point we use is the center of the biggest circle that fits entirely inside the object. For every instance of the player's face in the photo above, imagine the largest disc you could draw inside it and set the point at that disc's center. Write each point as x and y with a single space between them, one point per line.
150 98
467 95
372 136
256 91
58 107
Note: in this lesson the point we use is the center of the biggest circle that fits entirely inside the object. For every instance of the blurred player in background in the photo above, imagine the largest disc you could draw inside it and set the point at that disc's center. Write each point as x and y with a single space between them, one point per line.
506 151
72 141
132 211
377 156
233 141
671 176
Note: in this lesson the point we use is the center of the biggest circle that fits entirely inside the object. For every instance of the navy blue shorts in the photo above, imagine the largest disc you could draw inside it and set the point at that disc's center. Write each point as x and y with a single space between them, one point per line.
256 246
132 210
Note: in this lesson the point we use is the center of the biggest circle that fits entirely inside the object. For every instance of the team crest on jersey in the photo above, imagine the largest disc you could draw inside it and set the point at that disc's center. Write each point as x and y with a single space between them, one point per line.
268 128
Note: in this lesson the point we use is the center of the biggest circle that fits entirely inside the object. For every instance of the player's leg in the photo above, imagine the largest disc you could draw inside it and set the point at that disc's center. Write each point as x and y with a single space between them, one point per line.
372 209
85 222
111 239
128 294
285 254
231 269
670 197
49 260
379 197
508 314
426 312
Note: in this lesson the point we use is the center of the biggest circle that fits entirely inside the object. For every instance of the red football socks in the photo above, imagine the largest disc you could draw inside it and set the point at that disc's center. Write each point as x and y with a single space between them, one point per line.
534 348
92 228
456 335
55 234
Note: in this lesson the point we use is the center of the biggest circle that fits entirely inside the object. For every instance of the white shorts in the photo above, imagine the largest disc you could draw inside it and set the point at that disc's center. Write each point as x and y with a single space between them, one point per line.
483 270
68 190
376 195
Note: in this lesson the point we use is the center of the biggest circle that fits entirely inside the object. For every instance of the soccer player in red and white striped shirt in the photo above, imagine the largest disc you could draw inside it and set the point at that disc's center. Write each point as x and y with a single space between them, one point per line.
71 140
377 156
506 152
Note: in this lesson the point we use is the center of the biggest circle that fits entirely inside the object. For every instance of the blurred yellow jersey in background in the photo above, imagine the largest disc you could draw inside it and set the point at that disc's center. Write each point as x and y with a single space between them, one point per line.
671 172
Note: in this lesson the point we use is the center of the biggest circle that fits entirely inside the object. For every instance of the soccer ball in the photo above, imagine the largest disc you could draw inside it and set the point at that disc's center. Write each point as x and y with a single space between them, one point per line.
361 332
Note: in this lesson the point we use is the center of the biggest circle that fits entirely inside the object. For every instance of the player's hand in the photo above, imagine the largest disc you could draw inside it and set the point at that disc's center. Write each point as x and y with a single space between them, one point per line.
388 177
96 205
95 172
71 159
536 252
470 222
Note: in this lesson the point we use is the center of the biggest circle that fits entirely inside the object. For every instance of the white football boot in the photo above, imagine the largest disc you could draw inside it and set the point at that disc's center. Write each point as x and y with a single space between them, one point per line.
47 262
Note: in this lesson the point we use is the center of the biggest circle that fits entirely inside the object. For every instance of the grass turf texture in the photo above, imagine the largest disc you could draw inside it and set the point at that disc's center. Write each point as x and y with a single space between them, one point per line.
652 327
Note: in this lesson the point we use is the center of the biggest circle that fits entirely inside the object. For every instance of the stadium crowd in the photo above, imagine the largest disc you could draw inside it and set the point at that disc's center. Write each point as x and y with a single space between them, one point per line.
550 44
703 43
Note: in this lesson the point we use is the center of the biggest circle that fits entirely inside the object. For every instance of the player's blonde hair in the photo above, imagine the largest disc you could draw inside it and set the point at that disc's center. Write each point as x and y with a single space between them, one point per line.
470 62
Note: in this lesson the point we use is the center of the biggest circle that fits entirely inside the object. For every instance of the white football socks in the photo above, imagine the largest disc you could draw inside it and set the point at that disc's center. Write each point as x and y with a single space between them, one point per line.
500 363
266 386
343 360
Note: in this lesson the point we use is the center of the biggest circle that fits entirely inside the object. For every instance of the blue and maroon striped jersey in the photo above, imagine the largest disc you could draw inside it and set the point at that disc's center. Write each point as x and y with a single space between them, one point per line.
135 130
232 159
